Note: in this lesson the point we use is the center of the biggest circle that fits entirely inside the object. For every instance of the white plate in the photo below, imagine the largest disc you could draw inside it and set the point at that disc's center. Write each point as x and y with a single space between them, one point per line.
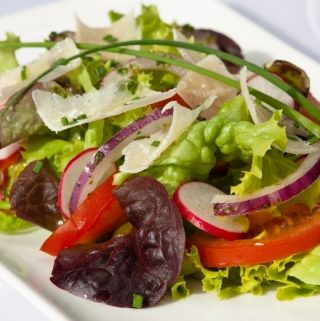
27 269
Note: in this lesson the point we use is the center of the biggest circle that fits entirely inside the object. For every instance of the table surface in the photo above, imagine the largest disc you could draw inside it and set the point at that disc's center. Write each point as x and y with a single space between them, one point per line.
298 26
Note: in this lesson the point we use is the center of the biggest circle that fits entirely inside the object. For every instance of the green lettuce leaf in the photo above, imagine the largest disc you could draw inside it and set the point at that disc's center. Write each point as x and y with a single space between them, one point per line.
229 135
308 269
152 27
10 224
7 55
264 171
128 117
58 151
290 277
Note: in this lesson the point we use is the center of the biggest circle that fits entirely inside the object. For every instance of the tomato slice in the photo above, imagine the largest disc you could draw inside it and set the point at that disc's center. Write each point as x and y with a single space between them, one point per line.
176 97
99 214
5 164
299 234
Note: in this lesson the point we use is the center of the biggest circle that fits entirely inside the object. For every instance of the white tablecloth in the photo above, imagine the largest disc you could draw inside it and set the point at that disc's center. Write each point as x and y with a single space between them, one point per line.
295 21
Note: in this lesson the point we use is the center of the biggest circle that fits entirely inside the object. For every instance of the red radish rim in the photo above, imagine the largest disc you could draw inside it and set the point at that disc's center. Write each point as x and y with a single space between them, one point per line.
105 150
202 224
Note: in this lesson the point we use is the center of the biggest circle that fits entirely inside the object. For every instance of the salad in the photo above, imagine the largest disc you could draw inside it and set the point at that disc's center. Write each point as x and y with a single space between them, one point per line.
155 153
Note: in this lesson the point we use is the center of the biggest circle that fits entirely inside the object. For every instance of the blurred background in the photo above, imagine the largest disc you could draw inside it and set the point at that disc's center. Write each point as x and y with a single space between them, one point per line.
295 21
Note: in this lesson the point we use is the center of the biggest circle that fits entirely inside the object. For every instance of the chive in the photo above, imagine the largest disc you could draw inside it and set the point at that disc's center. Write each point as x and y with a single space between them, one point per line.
64 121
114 16
100 71
98 157
132 86
155 143
37 167
23 74
110 38
116 47
82 116
137 301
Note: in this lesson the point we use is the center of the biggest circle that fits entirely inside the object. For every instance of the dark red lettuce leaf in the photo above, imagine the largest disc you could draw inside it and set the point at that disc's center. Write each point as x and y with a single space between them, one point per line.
34 196
215 40
143 263
291 74
20 120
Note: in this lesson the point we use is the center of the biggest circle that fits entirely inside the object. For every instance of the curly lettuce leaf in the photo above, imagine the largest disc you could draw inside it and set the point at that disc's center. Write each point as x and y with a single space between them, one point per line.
127 118
264 171
58 151
152 27
7 55
290 277
308 269
245 140
229 135
10 224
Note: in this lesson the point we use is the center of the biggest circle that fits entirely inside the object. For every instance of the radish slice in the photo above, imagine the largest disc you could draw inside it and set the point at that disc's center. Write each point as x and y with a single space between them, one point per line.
69 177
194 88
307 173
194 202
11 82
9 150
260 114
101 164
270 89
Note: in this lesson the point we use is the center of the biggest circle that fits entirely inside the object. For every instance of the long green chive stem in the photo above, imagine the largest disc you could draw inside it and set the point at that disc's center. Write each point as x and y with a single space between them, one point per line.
296 95
116 48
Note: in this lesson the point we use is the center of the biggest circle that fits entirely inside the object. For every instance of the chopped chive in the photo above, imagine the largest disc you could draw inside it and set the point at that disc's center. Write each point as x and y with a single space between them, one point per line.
82 116
137 301
75 120
132 86
98 157
23 74
155 143
114 16
37 167
123 70
100 71
118 47
110 38
64 121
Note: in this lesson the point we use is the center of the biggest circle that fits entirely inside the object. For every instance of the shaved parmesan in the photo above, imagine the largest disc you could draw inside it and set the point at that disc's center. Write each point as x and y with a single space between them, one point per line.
259 114
111 100
122 30
195 88
140 154
11 81
187 55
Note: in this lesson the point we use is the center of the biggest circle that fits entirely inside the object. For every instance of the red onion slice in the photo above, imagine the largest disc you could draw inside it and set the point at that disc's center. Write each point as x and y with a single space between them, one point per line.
307 173
102 162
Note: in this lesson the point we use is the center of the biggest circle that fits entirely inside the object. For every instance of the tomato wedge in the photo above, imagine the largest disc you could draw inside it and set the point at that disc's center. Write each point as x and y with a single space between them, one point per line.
301 235
176 97
99 214
4 165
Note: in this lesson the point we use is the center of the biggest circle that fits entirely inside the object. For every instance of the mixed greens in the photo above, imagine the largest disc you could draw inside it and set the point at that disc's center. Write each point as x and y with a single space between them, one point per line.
107 116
